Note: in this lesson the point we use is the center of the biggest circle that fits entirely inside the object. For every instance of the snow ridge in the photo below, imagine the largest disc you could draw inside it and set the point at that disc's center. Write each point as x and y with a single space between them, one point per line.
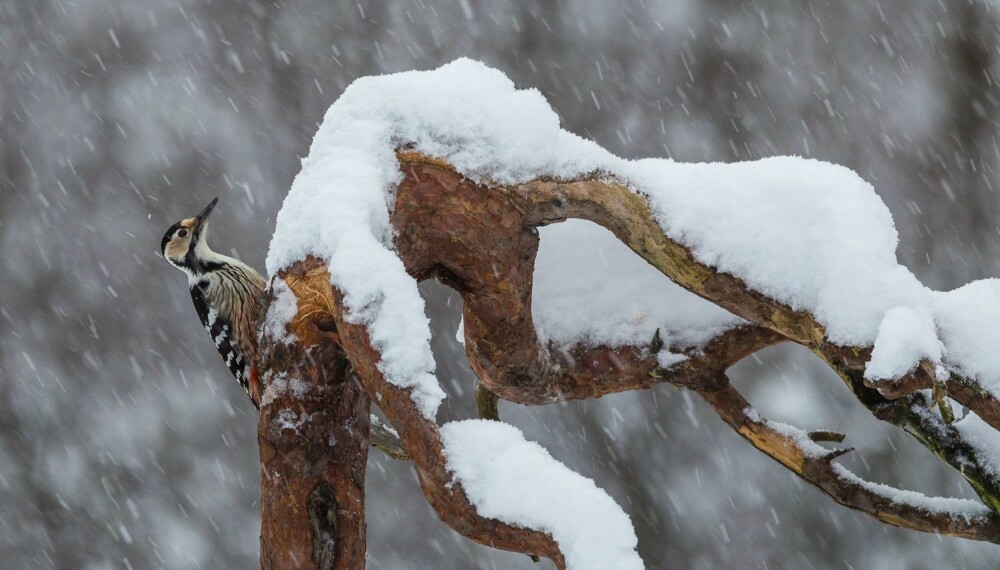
517 482
810 234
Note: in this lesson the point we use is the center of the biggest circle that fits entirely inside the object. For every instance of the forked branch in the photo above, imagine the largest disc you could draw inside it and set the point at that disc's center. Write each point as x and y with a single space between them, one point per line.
481 239
796 450
459 230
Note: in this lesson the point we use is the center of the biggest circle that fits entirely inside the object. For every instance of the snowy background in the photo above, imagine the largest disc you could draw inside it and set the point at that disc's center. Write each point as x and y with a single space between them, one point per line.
124 443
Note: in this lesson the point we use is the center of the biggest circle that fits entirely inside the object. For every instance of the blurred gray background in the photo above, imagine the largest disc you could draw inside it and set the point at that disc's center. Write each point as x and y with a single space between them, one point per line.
124 442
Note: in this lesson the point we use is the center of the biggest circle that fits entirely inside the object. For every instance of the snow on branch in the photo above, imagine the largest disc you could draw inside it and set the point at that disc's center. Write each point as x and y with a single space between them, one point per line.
423 441
507 356
797 450
453 173
516 481
809 235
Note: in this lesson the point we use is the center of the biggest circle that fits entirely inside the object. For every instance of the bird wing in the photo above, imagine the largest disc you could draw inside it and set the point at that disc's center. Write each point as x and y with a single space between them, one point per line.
220 330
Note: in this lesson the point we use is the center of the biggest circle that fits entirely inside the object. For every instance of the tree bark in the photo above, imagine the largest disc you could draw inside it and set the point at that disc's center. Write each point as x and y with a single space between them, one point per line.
313 436
482 240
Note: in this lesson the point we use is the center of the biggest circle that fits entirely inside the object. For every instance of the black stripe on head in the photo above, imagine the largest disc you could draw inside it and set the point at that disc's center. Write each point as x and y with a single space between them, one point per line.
166 238
190 259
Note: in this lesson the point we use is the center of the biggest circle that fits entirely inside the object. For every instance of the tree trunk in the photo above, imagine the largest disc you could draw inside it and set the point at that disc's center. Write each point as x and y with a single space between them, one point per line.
313 437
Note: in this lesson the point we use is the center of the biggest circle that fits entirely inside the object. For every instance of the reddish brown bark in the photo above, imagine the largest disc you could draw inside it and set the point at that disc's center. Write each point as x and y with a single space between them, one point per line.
422 439
483 244
313 437
482 240
293 466
462 232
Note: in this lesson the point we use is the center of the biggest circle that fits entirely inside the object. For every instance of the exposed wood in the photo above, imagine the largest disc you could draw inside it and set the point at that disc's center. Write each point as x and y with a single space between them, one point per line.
386 440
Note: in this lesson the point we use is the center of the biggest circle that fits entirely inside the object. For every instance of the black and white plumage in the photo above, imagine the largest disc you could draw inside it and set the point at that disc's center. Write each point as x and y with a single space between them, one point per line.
228 296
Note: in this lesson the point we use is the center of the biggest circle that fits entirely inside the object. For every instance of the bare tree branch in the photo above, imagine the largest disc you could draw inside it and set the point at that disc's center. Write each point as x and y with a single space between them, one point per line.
783 446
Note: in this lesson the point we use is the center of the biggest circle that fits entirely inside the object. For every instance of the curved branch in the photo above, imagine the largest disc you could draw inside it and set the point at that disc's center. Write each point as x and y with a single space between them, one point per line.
422 439
961 389
461 232
452 229
433 188
794 449
482 241
627 215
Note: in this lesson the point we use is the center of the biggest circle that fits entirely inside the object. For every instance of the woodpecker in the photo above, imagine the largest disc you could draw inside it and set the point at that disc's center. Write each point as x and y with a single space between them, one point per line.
227 293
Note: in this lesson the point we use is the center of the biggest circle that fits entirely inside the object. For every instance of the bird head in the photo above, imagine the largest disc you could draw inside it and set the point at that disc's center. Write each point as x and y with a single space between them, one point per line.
185 245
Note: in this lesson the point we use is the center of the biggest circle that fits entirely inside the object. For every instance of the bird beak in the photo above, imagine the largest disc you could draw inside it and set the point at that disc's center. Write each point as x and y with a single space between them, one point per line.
201 220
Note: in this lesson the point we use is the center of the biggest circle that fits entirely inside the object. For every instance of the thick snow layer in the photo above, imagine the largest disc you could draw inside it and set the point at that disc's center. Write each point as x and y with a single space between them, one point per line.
517 482
905 337
380 294
963 508
967 321
810 234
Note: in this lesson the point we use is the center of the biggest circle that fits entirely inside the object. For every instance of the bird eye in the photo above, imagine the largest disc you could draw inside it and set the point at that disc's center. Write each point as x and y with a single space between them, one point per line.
182 233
